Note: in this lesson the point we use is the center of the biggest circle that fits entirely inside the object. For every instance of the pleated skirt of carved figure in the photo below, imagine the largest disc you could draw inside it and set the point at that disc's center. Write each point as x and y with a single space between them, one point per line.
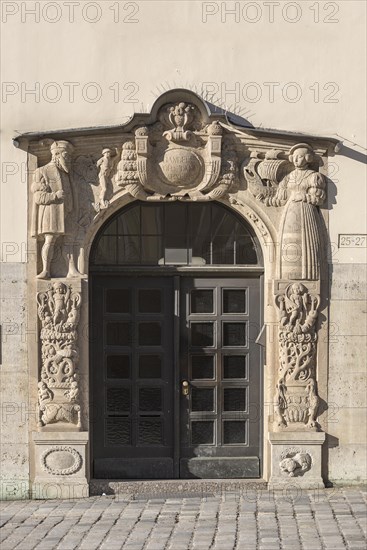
301 242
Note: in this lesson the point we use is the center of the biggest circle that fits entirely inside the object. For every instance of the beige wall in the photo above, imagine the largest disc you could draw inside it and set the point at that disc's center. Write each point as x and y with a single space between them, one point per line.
170 46
158 45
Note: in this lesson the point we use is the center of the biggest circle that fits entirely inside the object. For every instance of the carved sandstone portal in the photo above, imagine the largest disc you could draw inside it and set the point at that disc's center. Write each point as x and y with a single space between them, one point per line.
58 311
181 152
296 400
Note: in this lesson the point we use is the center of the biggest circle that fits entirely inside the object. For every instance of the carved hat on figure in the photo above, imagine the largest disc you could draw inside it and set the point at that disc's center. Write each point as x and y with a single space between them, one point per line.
60 145
58 150
309 156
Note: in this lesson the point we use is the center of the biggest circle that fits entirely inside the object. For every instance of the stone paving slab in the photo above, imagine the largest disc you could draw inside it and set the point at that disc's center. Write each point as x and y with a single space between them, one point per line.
232 520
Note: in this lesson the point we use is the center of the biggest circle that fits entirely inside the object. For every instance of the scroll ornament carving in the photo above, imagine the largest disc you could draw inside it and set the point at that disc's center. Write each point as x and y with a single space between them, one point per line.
228 171
295 462
58 389
295 185
296 400
61 460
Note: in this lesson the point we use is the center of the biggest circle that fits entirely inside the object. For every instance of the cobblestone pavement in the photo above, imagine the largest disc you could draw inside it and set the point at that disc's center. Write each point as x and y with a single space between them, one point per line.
305 520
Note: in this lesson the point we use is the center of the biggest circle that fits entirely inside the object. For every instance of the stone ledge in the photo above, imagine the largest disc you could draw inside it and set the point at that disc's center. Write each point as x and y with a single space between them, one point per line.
296 438
65 437
174 487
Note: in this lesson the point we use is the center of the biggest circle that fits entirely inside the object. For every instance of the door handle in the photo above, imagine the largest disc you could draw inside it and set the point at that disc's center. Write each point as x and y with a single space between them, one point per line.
185 387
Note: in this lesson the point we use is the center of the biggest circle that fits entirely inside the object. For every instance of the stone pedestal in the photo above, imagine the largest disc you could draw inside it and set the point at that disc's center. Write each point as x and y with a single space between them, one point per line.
296 459
61 465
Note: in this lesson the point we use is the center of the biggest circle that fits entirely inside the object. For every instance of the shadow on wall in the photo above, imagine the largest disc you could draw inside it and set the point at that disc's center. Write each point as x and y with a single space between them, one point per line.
232 117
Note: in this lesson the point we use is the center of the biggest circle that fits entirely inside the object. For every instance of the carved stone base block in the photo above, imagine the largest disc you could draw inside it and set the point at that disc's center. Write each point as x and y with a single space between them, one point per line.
296 459
61 465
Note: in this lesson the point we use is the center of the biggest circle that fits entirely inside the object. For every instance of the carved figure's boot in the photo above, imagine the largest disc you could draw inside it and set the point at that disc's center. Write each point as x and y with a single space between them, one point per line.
47 253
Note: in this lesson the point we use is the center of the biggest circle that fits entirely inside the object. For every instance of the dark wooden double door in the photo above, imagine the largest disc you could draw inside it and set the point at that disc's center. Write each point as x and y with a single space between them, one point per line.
176 377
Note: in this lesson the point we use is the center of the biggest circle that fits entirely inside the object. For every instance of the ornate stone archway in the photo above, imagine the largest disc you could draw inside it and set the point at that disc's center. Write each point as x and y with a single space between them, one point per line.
181 151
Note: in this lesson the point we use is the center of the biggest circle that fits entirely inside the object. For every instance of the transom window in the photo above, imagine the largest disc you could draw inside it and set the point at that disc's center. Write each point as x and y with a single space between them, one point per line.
175 234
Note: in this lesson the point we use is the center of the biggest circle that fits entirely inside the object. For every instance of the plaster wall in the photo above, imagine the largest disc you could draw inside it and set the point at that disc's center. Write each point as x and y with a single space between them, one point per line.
253 62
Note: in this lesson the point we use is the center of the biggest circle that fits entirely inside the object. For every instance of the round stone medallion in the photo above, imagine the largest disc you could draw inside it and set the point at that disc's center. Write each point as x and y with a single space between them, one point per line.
181 168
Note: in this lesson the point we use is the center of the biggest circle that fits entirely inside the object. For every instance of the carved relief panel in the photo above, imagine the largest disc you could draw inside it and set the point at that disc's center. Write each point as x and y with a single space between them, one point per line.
58 389
296 399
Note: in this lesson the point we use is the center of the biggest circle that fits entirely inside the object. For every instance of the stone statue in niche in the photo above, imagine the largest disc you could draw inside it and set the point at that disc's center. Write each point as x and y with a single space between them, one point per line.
296 400
300 191
54 206
106 165
58 390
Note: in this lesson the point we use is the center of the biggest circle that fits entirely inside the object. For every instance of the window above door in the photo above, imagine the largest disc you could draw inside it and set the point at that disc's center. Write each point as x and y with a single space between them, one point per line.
181 234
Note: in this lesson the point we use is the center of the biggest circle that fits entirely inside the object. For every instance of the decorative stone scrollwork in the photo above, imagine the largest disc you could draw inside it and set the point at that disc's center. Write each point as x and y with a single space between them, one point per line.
58 311
296 396
295 185
61 460
228 172
295 462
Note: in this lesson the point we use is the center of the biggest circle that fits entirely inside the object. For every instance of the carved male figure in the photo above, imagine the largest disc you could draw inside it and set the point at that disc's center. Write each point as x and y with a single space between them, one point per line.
53 204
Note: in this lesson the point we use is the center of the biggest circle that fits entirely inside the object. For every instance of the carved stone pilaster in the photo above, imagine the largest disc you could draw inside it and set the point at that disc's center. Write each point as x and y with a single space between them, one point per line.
296 399
58 388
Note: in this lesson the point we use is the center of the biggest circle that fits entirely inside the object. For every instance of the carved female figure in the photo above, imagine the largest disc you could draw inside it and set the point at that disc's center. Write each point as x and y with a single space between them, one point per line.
301 191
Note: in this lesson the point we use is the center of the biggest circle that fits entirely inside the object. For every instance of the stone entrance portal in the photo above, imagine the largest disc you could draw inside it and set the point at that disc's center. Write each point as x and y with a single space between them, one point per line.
184 155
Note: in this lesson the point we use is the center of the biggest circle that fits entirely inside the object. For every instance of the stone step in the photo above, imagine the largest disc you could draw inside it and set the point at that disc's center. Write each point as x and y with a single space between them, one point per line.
172 488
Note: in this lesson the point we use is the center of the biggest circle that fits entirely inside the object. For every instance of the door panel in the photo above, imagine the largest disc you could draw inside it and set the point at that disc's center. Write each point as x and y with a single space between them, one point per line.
133 377
150 335
220 415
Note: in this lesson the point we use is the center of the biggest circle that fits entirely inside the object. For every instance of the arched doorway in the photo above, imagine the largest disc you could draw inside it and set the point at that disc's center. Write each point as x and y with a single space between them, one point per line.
176 306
